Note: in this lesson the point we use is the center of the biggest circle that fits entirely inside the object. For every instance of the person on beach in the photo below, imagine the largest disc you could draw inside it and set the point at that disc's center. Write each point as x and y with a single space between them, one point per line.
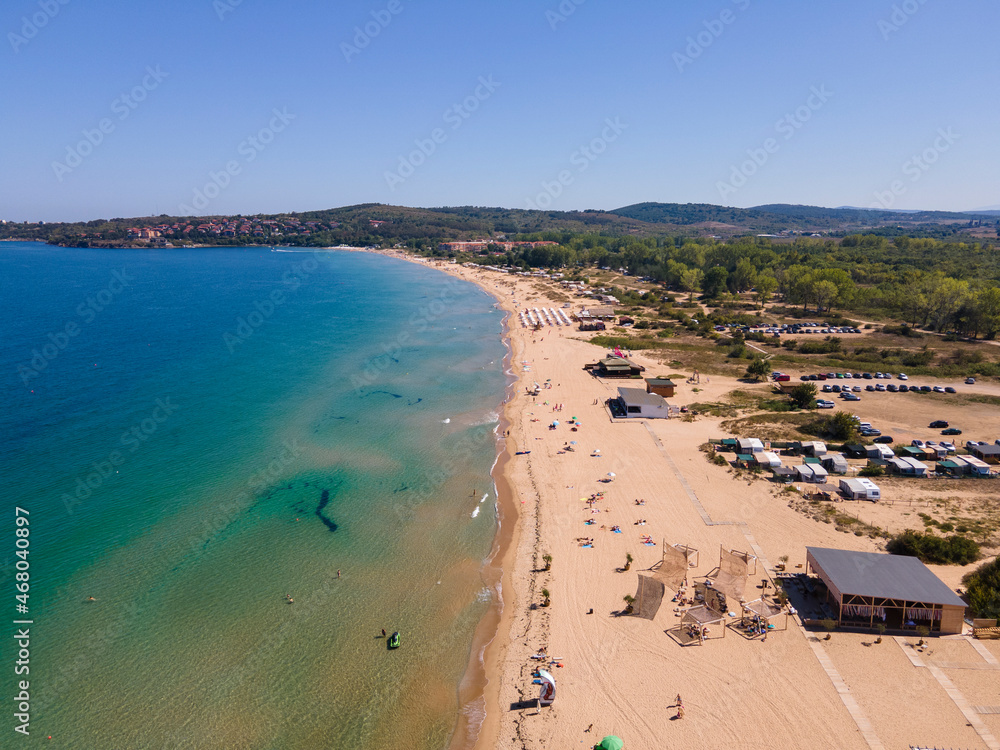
338 574
383 632
91 599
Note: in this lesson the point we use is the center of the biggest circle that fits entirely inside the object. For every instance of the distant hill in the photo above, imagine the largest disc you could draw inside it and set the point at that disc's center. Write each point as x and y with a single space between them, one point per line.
779 217
379 224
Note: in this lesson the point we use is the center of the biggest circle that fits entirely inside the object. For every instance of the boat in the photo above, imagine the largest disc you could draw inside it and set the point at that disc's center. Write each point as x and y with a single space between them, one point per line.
394 640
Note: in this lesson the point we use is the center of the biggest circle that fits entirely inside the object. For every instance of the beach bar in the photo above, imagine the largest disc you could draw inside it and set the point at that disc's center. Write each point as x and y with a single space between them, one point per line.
869 588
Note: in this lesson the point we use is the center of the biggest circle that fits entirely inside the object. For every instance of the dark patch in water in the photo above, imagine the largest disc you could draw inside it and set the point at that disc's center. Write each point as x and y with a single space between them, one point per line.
387 393
324 499
402 488
414 403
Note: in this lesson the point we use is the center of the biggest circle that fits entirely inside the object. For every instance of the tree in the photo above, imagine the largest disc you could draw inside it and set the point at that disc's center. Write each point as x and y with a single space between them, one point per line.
714 282
628 561
842 426
824 292
629 603
766 286
548 561
758 369
545 596
691 280
804 395
743 277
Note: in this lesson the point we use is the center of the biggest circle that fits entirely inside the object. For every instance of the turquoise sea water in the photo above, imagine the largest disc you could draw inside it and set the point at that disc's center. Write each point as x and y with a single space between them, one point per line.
199 433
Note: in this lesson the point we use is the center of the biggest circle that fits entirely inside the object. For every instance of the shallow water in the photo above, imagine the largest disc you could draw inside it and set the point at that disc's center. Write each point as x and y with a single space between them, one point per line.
231 426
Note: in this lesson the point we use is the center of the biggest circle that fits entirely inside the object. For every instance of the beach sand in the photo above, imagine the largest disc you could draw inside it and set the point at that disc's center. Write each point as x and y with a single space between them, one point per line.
621 675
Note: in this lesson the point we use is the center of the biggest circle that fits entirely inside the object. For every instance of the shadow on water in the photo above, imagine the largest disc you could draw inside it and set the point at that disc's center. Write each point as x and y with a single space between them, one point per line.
324 499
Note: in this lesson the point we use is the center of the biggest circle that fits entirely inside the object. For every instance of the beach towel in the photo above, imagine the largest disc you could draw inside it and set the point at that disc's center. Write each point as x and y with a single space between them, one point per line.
618 531
588 546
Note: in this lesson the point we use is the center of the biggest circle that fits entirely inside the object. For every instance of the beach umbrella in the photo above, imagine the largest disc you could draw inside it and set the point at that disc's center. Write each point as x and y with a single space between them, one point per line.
572 442
611 742
611 475
597 450
555 422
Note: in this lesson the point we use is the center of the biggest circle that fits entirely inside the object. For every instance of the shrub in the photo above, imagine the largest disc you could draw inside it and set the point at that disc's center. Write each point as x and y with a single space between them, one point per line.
983 585
871 470
929 548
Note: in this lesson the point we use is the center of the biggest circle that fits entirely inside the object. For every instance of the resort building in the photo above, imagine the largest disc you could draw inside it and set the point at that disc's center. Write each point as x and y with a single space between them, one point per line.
615 367
635 402
866 589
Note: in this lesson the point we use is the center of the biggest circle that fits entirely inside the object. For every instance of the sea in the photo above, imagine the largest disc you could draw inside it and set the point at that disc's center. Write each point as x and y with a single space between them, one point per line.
235 467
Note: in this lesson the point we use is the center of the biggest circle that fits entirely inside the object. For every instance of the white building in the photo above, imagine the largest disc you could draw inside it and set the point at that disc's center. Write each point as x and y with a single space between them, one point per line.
636 403
860 489
747 446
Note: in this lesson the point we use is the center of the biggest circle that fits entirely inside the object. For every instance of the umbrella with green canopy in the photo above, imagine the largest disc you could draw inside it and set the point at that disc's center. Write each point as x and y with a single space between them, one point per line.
611 742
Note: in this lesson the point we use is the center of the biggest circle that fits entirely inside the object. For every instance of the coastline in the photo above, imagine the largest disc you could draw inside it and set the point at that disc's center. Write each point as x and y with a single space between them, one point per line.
480 687
622 673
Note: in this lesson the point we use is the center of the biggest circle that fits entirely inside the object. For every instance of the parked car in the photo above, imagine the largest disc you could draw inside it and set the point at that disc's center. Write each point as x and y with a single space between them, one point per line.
902 376
950 447
938 389
879 387
827 388
938 424
970 381
883 439
870 388
866 375
821 376
824 404
851 396
783 378
951 431
949 389
917 443
925 389
871 433
904 388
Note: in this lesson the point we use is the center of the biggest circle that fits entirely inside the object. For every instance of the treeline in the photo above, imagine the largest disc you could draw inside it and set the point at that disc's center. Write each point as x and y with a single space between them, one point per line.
933 284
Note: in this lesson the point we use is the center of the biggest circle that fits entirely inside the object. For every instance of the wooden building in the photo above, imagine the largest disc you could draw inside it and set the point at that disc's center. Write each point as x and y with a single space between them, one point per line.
900 592
661 387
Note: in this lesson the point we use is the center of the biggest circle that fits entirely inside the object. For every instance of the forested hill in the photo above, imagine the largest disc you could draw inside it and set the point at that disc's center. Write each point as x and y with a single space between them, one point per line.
779 217
420 228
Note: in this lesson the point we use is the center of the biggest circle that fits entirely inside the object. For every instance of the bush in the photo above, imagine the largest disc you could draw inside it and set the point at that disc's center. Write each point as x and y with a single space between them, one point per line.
983 585
871 470
929 548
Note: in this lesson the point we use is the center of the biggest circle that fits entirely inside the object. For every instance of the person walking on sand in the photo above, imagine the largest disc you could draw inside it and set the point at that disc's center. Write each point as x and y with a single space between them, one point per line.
680 711
678 702
338 574
383 632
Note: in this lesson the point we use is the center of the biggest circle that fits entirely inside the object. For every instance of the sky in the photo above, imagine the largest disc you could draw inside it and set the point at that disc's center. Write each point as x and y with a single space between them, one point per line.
122 109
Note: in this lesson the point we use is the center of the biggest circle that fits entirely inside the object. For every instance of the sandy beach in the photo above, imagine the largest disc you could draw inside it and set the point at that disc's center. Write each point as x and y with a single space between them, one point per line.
621 675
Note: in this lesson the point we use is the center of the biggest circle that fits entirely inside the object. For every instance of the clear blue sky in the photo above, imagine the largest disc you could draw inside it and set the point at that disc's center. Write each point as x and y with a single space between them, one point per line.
889 89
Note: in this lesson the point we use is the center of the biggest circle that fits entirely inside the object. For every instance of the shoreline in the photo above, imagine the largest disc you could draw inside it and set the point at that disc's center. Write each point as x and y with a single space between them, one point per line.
481 684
